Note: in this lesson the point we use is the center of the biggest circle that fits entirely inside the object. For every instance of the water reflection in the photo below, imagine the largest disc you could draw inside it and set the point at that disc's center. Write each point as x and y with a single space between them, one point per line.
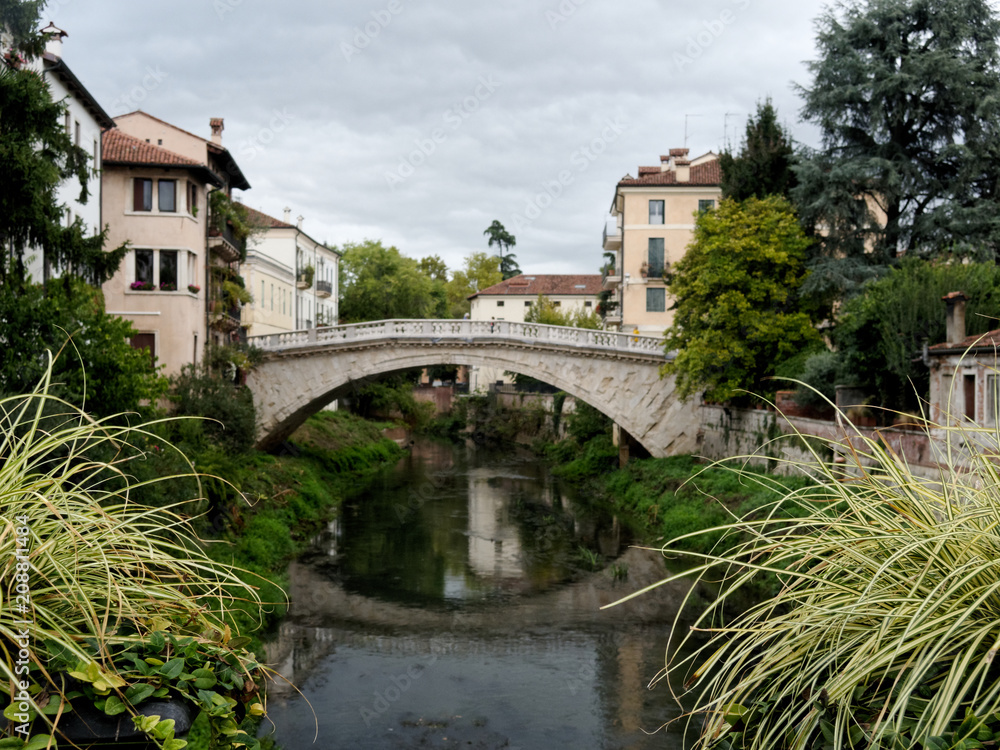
449 607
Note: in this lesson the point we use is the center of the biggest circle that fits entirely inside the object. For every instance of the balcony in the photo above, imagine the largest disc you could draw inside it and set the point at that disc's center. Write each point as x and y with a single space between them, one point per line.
612 240
225 244
324 289
611 277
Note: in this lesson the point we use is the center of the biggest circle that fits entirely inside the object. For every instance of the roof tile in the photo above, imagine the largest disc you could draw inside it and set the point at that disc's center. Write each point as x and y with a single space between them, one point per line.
547 284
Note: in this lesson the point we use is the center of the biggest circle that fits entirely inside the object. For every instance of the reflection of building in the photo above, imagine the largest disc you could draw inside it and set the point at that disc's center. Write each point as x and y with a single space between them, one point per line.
654 223
494 546
293 278
511 299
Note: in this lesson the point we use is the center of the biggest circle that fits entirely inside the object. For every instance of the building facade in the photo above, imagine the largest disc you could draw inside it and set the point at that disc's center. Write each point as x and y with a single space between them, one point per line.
292 276
166 192
84 121
652 224
512 298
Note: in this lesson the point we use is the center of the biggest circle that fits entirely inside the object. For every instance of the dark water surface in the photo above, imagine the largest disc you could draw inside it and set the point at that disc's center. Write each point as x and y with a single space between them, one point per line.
456 604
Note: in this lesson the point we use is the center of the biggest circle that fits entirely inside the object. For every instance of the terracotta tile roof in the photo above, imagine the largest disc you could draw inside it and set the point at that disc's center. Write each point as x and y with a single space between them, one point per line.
980 342
708 174
268 221
121 148
679 152
549 285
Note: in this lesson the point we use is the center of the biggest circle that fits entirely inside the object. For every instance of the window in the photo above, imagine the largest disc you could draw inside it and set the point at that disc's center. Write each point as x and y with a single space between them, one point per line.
557 303
144 266
76 133
656 212
991 418
705 205
500 303
191 197
168 270
654 256
588 304
262 294
969 386
145 341
167 190
527 304
142 194
656 299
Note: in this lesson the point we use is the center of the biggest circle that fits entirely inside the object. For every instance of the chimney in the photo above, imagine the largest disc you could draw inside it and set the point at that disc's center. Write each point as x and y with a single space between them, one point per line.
217 127
955 322
53 39
298 222
677 162
288 215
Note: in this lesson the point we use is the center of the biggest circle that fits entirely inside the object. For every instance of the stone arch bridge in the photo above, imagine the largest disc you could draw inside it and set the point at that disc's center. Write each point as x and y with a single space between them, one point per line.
617 373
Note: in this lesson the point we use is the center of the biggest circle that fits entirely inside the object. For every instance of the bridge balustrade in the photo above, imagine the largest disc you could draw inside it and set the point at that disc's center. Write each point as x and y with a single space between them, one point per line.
467 331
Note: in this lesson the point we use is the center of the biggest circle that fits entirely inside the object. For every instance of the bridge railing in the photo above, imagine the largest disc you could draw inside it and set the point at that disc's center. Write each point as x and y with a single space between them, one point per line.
468 331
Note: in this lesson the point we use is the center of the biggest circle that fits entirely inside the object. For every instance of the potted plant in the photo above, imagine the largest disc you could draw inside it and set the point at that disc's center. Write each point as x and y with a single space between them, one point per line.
142 286
644 269
194 288
166 287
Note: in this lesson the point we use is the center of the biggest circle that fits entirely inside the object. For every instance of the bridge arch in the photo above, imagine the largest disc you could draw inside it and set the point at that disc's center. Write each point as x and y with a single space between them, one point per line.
617 374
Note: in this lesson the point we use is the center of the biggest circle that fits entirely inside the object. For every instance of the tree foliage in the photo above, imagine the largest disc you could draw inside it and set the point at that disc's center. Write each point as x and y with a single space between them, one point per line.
504 240
906 94
737 311
97 369
480 271
37 155
378 283
763 165
544 311
881 332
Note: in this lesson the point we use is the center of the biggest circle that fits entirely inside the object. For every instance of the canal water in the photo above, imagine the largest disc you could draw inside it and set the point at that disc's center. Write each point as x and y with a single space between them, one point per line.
455 603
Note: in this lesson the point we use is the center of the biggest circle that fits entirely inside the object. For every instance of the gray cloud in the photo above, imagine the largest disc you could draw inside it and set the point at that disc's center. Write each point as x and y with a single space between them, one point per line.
324 102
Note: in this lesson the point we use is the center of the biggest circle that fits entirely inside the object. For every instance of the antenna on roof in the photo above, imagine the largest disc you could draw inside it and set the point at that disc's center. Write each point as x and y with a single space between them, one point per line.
686 128
725 129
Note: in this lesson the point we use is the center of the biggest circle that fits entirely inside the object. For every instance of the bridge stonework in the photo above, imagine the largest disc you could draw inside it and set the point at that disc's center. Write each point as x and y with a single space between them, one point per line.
616 373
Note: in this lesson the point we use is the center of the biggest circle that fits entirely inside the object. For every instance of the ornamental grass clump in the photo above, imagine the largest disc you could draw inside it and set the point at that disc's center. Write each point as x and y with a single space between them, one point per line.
885 631
106 604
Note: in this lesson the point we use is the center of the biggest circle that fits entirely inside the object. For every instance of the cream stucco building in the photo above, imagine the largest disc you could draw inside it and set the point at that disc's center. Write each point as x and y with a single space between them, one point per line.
653 223
155 186
288 295
511 299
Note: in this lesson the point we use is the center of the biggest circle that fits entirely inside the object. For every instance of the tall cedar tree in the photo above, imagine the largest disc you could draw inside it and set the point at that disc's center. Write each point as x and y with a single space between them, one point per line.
906 94
737 310
763 165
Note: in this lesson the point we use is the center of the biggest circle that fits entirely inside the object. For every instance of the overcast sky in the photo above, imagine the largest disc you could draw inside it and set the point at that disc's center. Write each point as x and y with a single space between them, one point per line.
419 122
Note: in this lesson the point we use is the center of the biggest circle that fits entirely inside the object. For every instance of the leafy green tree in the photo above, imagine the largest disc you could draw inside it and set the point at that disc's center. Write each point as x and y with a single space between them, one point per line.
96 368
37 155
737 307
377 283
906 94
479 271
763 165
504 241
434 267
544 310
881 332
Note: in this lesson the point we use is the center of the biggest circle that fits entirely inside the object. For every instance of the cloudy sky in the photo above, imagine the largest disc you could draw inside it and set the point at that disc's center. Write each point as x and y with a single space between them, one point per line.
419 122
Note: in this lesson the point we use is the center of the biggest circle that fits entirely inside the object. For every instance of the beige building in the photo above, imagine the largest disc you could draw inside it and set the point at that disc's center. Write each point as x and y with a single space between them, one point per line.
292 276
653 225
174 284
511 299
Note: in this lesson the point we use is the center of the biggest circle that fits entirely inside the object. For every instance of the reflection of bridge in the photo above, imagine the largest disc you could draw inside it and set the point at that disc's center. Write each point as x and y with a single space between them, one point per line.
617 373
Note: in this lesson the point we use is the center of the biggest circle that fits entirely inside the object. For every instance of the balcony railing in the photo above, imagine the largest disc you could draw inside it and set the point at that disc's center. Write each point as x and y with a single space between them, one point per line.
324 289
610 277
612 240
225 244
